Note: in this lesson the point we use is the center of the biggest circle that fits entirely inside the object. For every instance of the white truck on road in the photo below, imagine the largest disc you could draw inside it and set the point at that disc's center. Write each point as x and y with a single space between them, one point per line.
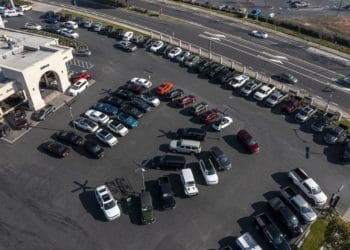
308 186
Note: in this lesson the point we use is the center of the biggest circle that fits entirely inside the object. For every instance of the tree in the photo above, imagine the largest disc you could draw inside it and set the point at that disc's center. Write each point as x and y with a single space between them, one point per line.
337 234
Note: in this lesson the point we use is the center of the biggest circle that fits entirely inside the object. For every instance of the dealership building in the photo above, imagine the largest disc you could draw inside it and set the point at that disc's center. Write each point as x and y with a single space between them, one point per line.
33 69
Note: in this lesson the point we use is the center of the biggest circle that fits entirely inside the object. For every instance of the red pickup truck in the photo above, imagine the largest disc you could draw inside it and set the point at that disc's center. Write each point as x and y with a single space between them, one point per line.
291 104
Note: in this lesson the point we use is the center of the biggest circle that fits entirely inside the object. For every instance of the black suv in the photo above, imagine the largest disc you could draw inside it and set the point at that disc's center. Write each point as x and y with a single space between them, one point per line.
69 137
169 161
220 159
197 134
200 67
167 194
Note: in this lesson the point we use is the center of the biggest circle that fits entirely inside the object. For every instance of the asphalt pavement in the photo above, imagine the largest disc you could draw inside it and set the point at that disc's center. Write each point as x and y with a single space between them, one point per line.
48 203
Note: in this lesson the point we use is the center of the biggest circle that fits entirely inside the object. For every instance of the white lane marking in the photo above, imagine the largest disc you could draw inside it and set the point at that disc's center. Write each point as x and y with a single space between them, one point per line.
269 59
279 57
213 34
209 37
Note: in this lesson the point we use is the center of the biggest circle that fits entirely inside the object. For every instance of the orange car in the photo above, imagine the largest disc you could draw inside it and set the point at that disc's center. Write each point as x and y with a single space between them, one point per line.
164 88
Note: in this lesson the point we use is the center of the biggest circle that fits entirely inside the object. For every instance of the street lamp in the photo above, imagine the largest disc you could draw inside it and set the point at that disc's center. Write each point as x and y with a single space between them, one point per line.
210 43
142 175
69 105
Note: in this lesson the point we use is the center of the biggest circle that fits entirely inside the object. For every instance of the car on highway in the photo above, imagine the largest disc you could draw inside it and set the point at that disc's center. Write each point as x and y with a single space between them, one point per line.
208 171
56 149
210 115
113 100
299 4
305 113
186 100
117 127
78 87
69 137
275 98
156 46
259 34
290 105
182 56
97 116
191 61
175 94
197 134
80 75
263 92
32 26
222 123
164 88
86 124
335 134
106 137
238 81
140 104
345 81
220 159
127 120
250 87
43 114
82 51
321 122
134 88
107 203
248 141
69 33
125 94
174 52
128 109
106 108
94 149
71 25
285 77
152 100
126 46
141 81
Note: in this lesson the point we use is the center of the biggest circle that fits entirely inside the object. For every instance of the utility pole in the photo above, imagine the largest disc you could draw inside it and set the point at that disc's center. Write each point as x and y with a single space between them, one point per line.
69 105
210 43
339 8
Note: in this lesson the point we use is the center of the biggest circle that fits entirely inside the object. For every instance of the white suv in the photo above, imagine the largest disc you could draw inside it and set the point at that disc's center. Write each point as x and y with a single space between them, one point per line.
238 81
107 203
78 87
188 182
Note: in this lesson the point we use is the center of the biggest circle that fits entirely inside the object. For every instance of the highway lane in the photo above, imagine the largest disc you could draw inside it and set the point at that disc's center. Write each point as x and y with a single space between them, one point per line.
250 51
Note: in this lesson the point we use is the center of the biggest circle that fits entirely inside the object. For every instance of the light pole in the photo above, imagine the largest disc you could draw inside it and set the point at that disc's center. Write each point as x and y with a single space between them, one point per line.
340 4
210 43
69 105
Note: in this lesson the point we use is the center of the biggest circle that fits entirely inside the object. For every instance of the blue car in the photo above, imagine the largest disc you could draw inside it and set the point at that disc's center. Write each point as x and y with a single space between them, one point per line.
256 11
127 120
106 108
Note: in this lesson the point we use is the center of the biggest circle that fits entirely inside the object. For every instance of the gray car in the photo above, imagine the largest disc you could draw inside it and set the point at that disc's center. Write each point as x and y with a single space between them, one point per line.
97 27
286 77
83 51
220 159
43 113
335 134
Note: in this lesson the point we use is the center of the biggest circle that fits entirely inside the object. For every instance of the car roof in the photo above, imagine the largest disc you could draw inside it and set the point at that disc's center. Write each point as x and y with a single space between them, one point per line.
244 133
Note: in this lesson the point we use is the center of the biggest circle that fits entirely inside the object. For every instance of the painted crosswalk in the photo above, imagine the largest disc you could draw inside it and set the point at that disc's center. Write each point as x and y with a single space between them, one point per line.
80 63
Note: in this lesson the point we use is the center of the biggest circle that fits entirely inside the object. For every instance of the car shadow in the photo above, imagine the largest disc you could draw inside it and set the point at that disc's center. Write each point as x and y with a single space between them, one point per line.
280 178
235 92
306 126
318 138
172 104
276 110
232 141
333 153
260 104
186 111
259 207
81 151
88 200
271 194
198 176
177 186
196 120
227 243
131 207
291 118
153 188
164 148
168 134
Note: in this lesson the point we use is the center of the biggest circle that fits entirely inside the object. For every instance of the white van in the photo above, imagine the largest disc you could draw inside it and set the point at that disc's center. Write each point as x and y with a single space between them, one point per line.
128 35
188 181
11 13
185 146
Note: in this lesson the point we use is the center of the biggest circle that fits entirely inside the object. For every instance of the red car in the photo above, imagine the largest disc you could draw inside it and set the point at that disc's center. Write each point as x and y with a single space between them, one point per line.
164 88
136 89
248 141
20 119
57 149
187 100
290 105
210 116
80 75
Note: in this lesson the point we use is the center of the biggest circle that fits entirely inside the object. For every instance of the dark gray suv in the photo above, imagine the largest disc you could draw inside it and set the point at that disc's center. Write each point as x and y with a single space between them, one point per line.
220 159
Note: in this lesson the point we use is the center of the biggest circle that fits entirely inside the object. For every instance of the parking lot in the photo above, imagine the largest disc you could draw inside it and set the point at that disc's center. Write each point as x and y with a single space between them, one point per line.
46 207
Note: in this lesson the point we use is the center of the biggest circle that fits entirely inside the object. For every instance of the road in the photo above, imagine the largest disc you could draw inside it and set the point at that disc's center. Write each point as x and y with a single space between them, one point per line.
271 56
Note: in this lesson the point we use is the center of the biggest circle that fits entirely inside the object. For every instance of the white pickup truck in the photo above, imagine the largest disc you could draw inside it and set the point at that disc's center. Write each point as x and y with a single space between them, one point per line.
263 92
308 186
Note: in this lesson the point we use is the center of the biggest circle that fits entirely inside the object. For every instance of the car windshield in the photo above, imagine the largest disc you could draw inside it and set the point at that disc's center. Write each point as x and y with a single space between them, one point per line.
273 97
59 148
89 123
303 113
293 222
190 183
209 170
224 159
75 87
109 205
278 239
305 209
251 142
95 148
316 190
108 136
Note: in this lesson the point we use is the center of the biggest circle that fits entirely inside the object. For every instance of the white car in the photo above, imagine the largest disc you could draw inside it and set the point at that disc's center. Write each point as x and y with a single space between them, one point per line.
86 125
250 87
118 128
141 81
238 81
275 98
12 13
71 25
152 100
128 35
305 113
69 33
222 123
259 34
78 87
156 46
209 172
174 52
107 203
106 137
263 92
33 26
97 116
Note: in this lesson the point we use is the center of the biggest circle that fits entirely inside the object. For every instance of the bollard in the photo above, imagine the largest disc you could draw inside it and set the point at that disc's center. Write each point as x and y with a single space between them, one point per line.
200 51
180 43
256 75
220 59
151 33
170 40
210 55
161 36
244 69
232 64
189 47
270 80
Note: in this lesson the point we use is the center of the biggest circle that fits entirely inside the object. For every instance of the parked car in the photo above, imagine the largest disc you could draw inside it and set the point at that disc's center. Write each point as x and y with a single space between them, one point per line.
82 51
169 162
275 98
152 100
191 61
166 193
247 242
186 100
56 149
225 76
209 116
182 56
69 33
286 77
202 65
43 114
238 81
12 13
116 33
185 146
125 94
196 134
107 30
222 123
140 104
335 134
138 40
321 122
128 109
164 88
263 92
20 119
250 87
117 127
290 105
212 74
52 28
147 211
259 34
175 94
156 46
70 137
94 149
128 35
142 82
126 46
113 100
106 137
106 108
199 108
248 141
305 113
97 116
87 23
32 26
80 75
78 87
208 171
127 120
86 125
97 27
164 50
146 43
220 159
107 203
188 182
345 154
71 25
174 52
135 88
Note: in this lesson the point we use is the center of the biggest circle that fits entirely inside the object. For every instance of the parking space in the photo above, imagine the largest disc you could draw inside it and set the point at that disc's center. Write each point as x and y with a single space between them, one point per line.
57 196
